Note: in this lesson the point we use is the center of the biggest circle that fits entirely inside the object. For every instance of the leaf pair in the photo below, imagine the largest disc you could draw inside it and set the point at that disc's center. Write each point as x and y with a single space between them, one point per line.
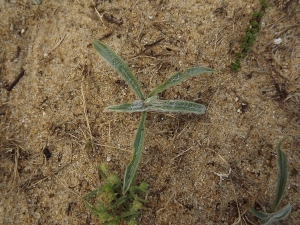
151 103
281 214
121 67
269 218
157 105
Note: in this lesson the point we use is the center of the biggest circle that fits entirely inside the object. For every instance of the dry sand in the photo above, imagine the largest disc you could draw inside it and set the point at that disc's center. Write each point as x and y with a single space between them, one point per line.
58 104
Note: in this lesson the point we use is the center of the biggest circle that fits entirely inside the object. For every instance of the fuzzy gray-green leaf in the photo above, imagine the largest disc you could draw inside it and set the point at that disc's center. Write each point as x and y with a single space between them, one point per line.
279 215
281 177
136 106
175 106
180 76
138 147
259 215
119 65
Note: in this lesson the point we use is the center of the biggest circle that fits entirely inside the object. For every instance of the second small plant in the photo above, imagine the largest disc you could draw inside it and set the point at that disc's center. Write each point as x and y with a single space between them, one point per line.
274 216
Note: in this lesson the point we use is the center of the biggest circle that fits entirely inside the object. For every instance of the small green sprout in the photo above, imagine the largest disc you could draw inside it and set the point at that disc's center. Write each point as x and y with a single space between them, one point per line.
264 4
37 2
274 215
256 15
236 65
249 37
149 103
112 206
89 144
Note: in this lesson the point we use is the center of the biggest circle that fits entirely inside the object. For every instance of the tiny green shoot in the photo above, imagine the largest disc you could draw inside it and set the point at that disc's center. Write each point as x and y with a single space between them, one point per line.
143 104
250 36
37 2
276 215
112 206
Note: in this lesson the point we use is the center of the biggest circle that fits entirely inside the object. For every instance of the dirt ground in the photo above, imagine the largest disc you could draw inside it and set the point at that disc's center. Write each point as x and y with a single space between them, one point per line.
58 106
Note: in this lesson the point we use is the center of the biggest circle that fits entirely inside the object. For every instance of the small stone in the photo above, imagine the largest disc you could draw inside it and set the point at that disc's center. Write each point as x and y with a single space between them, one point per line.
277 41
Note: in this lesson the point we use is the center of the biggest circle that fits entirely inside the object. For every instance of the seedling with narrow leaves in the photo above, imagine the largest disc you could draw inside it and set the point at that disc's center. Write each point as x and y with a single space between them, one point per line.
149 103
276 215
143 105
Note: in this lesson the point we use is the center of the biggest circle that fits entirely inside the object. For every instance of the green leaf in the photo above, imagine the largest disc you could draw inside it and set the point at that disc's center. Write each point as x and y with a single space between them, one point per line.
179 77
175 106
120 201
282 176
138 147
130 214
142 188
136 106
264 4
259 215
156 105
103 170
119 65
269 218
279 215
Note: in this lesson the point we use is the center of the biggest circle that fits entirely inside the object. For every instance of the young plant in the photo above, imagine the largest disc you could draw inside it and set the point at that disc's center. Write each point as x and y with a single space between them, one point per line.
112 207
149 103
276 215
250 36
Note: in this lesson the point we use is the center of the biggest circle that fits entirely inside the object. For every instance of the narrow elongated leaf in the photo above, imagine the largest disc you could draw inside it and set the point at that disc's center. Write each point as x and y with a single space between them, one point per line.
156 105
175 79
259 215
175 106
269 218
136 106
180 76
281 177
279 215
119 65
138 147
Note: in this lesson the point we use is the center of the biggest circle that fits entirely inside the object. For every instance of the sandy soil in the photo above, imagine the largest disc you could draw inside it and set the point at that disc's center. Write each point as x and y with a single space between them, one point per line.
58 105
